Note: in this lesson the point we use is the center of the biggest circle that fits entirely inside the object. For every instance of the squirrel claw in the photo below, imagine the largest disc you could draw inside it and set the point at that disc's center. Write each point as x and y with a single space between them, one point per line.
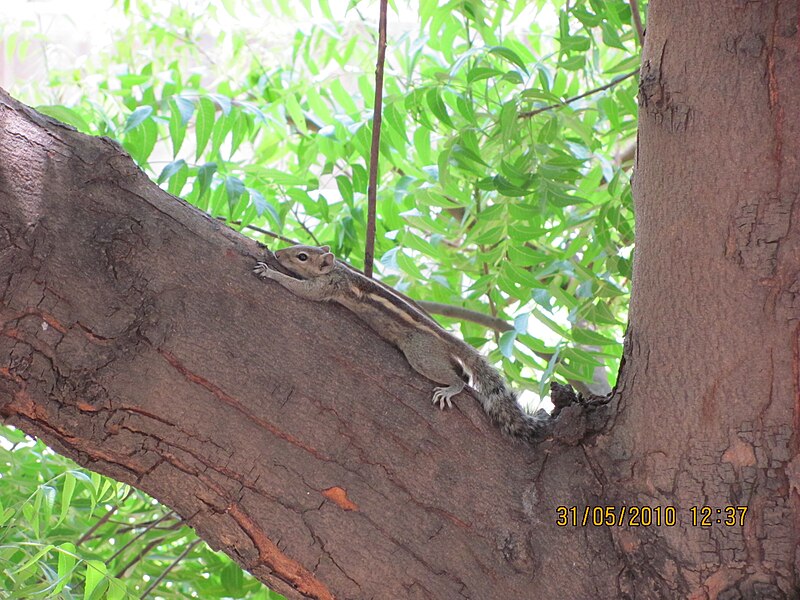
441 398
262 270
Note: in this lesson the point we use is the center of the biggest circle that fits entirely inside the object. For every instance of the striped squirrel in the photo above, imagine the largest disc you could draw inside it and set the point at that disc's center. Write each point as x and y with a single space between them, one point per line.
430 350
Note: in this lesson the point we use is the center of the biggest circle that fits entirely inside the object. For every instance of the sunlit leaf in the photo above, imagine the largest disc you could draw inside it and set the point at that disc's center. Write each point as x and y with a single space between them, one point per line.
137 117
66 115
204 124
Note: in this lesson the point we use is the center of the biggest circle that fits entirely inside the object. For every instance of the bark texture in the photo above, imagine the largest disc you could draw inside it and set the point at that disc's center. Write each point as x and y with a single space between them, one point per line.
135 340
710 393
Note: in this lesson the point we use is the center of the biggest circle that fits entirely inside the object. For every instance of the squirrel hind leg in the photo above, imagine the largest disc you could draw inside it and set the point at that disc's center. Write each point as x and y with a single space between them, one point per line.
442 396
434 360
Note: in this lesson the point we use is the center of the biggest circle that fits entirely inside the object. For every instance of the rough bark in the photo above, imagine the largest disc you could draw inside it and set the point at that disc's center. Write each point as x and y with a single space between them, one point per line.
710 392
135 340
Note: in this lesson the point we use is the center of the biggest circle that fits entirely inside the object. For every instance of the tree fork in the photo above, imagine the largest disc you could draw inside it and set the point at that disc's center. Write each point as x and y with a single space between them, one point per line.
135 340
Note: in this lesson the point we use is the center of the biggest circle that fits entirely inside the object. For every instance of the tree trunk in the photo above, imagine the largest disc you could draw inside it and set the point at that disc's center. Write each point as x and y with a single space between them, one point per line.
710 391
136 341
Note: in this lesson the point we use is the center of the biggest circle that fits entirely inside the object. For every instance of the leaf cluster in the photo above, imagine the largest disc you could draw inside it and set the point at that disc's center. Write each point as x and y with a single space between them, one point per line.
500 188
68 533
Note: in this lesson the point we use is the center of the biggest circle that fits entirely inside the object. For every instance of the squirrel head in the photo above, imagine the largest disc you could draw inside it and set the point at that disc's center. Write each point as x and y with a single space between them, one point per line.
307 261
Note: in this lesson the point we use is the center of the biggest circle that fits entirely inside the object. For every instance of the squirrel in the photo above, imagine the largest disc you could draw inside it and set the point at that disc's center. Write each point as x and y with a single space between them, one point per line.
430 350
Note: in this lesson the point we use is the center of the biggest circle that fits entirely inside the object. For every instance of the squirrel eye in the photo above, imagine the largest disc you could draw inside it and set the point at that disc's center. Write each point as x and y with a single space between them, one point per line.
302 257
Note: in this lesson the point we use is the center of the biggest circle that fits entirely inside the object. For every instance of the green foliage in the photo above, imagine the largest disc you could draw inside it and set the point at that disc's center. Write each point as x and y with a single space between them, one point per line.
66 532
495 195
499 190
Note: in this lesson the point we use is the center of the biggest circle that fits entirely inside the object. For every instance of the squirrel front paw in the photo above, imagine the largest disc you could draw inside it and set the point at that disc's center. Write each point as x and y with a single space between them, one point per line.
262 270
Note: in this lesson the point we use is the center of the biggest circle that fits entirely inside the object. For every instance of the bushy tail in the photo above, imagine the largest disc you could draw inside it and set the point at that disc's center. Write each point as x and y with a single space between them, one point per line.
500 402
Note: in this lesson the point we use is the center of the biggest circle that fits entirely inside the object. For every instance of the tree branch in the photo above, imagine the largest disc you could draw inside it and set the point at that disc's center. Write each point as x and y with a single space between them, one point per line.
169 568
599 386
637 20
260 230
532 113
374 152
135 340
465 314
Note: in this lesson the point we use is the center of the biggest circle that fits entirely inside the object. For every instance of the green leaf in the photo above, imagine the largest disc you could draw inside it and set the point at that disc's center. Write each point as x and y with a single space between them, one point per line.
296 114
6 514
184 107
549 131
437 106
573 62
521 323
510 56
263 206
65 115
561 331
611 37
140 141
575 43
508 120
66 565
137 117
240 128
223 101
206 116
181 111
96 573
219 132
34 559
479 73
170 169
232 580
345 188
588 337
547 374
117 590
14 436
205 175
234 187
343 97
66 495
507 339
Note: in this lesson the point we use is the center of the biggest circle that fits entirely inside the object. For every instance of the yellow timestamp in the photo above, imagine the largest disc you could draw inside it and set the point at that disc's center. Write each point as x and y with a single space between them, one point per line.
616 516
648 516
706 516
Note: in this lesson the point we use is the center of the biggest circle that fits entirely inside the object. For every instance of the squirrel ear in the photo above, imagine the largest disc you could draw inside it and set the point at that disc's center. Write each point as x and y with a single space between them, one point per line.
325 248
327 263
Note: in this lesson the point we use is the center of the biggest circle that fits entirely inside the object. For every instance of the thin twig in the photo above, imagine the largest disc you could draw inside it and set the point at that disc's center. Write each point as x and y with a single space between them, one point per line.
465 314
172 565
532 113
133 540
306 229
141 554
94 527
105 518
637 20
123 527
482 249
374 152
260 230
188 41
625 154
